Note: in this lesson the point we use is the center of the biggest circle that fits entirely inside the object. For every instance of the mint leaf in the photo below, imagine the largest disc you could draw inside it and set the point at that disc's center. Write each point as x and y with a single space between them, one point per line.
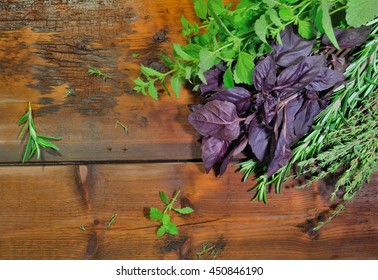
270 3
244 69
285 14
171 228
152 90
200 7
305 29
261 28
228 79
361 12
147 71
207 59
163 197
176 86
216 6
181 53
327 24
165 219
184 211
155 214
161 231
274 17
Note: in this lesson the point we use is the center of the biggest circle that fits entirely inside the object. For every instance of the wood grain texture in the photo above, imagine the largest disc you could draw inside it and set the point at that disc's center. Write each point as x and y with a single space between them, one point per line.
46 48
42 208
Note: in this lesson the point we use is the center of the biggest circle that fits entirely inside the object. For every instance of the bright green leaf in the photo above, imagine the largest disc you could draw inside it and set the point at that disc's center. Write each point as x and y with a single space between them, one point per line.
176 85
163 197
305 29
165 219
327 24
152 90
216 6
207 60
285 13
155 214
200 7
261 28
228 79
270 3
147 71
161 231
244 69
360 12
184 211
181 53
171 228
274 17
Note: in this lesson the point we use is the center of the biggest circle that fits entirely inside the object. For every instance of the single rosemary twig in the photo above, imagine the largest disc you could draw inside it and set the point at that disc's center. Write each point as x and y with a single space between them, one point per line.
35 142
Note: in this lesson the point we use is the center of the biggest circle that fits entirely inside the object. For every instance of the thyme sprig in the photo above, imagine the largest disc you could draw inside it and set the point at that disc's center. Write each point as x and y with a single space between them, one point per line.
35 142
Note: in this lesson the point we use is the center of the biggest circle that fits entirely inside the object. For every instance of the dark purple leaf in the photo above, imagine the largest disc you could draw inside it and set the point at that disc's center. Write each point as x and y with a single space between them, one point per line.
340 64
259 138
281 154
349 37
325 79
305 117
293 48
237 95
217 118
234 152
264 75
214 81
292 108
213 150
296 77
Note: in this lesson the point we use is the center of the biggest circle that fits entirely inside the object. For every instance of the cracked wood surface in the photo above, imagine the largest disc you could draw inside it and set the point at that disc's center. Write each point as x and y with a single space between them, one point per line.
46 48
42 209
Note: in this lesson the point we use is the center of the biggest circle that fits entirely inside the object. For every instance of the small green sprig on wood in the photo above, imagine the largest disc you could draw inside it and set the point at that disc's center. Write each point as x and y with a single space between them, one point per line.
98 73
35 142
166 225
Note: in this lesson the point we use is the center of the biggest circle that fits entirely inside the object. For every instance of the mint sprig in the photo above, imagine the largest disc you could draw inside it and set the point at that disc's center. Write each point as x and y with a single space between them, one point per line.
166 224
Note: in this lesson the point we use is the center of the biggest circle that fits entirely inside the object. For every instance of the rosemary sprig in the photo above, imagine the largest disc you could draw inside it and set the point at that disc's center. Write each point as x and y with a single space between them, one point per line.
35 142
98 73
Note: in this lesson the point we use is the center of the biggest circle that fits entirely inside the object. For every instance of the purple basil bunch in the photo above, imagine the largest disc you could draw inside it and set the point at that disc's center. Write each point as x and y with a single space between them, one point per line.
291 87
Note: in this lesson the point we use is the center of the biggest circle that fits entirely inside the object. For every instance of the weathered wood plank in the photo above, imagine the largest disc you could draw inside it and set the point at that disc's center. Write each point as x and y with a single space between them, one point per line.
46 48
42 208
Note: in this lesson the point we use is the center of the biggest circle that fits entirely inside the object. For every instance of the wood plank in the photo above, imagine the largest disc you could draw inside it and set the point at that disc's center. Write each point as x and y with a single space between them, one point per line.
42 208
46 50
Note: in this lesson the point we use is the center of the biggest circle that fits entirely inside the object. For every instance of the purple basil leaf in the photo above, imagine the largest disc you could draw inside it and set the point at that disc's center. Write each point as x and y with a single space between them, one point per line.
305 117
340 64
264 75
296 77
214 81
194 107
213 150
237 95
217 118
259 138
293 48
349 37
234 152
325 79
281 154
292 108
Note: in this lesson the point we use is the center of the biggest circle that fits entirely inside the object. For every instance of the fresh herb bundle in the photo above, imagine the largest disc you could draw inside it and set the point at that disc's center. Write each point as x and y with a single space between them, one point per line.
280 81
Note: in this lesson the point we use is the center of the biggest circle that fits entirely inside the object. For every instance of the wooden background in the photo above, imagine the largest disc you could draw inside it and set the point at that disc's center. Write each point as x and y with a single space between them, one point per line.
46 48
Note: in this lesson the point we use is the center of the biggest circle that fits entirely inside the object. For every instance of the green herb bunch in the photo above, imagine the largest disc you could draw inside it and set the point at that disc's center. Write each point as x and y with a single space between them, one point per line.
166 224
35 142
238 37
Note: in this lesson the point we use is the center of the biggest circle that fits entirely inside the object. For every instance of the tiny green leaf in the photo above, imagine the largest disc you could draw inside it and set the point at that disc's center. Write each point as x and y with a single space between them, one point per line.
261 28
285 13
163 197
161 231
305 29
176 85
147 71
244 69
228 79
327 24
165 219
155 214
152 90
181 53
171 228
200 7
274 17
184 211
